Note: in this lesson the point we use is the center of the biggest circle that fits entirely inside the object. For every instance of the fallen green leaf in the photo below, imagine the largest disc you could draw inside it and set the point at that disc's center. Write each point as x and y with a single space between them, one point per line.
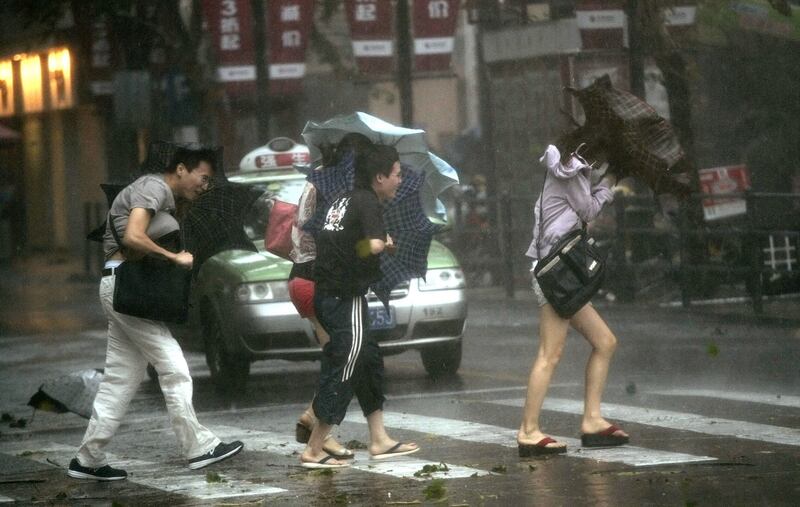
355 444
427 470
499 469
435 490
712 349
214 477
6 417
322 471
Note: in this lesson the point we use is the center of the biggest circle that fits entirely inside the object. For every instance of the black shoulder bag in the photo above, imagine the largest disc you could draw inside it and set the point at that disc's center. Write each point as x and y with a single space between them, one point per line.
151 288
572 273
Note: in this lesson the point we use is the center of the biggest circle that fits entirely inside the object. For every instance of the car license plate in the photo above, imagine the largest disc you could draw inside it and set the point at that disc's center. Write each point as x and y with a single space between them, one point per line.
379 318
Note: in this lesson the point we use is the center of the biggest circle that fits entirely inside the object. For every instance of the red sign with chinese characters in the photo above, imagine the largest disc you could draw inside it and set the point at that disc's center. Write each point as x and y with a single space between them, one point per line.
724 180
601 23
371 29
230 23
290 24
434 27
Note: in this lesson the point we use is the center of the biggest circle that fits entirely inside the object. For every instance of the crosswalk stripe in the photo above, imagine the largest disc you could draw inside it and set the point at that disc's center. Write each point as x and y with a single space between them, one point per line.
675 420
402 466
166 477
761 398
488 434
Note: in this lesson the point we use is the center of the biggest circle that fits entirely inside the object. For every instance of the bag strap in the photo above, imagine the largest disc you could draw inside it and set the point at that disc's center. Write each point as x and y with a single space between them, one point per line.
114 233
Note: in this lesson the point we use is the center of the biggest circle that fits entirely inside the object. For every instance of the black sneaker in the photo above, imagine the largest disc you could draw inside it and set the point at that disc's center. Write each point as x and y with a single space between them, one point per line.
104 473
221 451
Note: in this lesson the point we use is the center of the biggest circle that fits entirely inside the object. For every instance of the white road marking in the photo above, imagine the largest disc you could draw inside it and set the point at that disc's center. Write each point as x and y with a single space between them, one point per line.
488 434
5 499
403 467
778 400
164 476
676 420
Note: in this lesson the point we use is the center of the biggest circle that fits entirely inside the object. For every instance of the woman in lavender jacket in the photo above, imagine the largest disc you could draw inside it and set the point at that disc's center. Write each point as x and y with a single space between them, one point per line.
568 199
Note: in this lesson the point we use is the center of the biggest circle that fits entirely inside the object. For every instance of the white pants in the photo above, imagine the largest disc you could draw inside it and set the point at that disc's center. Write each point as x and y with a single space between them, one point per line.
132 343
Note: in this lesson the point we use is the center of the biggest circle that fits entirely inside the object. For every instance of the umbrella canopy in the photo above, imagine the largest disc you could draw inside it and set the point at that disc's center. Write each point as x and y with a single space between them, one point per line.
411 231
215 221
636 140
70 393
409 143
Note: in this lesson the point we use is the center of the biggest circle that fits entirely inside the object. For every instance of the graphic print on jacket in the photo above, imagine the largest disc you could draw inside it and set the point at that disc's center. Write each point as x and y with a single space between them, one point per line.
333 220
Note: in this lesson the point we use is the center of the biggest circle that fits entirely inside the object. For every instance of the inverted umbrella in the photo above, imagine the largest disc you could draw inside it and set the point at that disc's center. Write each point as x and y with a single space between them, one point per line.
636 140
411 231
409 143
215 221
70 393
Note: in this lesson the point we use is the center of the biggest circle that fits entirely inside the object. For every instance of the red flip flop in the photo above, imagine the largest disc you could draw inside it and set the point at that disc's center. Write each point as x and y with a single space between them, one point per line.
540 448
605 438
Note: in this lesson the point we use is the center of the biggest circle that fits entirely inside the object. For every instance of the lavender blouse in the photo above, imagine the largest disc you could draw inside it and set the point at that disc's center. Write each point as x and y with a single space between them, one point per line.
569 198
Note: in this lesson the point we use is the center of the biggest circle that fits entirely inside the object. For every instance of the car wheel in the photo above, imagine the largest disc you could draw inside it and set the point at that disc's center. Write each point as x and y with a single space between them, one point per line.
228 372
442 360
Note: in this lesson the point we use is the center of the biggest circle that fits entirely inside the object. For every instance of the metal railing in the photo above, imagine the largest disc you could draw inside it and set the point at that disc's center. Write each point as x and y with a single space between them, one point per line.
491 235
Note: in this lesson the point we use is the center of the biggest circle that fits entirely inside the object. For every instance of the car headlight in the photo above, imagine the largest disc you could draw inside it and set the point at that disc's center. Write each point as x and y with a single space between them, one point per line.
262 291
442 279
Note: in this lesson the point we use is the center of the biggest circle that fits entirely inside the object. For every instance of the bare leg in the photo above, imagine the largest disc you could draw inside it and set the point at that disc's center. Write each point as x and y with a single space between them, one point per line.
379 440
552 335
314 449
322 336
309 420
592 326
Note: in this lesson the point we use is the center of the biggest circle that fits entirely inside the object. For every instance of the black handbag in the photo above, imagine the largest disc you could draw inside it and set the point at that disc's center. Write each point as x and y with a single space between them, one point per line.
572 273
151 288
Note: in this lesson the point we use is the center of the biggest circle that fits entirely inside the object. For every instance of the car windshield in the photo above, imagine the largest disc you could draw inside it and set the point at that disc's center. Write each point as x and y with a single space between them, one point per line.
287 190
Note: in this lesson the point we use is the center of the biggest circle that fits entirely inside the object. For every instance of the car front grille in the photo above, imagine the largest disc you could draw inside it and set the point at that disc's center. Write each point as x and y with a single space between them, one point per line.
439 328
382 335
264 342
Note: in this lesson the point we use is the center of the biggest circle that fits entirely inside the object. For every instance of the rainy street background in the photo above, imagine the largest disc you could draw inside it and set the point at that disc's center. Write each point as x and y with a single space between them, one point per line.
708 394
703 284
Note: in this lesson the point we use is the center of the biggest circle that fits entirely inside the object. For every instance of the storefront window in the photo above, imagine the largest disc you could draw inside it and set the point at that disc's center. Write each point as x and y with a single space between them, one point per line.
6 88
60 78
31 72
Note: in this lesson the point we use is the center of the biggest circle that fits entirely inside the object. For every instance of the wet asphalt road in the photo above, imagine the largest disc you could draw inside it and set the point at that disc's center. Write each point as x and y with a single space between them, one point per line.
711 399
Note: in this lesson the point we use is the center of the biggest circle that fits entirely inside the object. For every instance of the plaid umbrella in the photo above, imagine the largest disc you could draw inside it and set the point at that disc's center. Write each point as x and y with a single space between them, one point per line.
411 231
409 143
404 218
637 141
215 221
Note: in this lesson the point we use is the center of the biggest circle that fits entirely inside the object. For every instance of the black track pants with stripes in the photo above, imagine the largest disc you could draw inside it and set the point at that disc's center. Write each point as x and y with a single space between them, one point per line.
351 360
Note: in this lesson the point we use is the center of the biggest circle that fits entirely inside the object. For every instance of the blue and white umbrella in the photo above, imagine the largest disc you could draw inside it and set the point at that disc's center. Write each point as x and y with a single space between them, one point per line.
409 143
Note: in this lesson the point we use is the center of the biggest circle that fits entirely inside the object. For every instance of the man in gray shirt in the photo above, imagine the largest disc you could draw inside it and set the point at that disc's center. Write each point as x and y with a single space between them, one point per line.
141 214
